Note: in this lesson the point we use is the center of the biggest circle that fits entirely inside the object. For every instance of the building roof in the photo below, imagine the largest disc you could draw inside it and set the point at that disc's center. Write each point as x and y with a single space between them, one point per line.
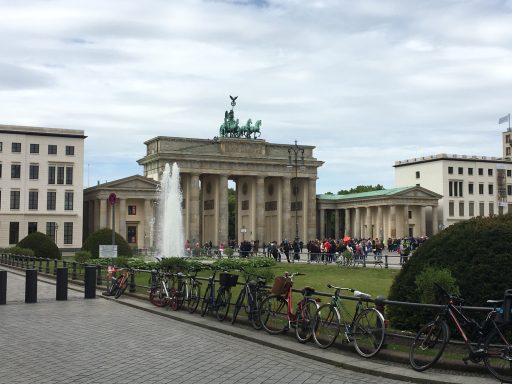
451 157
379 193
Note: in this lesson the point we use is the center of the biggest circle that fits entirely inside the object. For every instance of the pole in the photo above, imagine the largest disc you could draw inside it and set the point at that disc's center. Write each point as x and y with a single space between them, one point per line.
113 224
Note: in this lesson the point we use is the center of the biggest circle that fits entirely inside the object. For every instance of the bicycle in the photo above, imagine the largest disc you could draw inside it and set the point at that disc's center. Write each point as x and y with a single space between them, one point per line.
220 302
366 327
490 341
255 292
120 283
276 314
189 291
160 294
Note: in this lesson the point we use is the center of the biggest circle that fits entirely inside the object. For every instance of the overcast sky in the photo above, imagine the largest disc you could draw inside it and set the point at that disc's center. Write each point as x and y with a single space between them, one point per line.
366 82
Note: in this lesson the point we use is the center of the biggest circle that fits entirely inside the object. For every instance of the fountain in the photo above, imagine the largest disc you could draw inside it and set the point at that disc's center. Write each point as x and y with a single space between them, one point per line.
170 222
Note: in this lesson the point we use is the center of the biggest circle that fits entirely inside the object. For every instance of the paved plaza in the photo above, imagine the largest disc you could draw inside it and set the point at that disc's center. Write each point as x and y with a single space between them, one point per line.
130 341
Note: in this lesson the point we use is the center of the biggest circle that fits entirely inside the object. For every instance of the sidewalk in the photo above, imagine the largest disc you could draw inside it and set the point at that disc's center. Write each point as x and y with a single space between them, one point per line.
332 356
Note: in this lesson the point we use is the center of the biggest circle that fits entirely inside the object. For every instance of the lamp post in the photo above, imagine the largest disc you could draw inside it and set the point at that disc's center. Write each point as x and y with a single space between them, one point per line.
296 160
56 228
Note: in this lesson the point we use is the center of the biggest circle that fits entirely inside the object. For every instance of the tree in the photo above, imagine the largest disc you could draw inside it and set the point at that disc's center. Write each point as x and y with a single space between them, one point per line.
361 188
41 244
475 252
231 213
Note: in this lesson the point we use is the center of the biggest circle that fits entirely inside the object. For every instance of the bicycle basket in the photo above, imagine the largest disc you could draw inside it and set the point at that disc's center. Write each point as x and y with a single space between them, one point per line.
228 279
281 285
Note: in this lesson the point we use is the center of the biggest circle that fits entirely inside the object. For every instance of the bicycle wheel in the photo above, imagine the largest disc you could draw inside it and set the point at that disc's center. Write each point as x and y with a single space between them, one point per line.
255 310
157 297
173 299
428 345
223 303
304 318
498 357
181 296
368 332
206 300
238 305
274 314
114 287
121 287
195 296
327 325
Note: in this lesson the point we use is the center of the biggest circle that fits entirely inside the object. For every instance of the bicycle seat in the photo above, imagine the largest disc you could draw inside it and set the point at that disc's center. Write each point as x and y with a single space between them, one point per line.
495 302
308 291
362 295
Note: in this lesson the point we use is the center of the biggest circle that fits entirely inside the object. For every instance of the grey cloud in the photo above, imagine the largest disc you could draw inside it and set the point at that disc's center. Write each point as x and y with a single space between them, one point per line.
13 77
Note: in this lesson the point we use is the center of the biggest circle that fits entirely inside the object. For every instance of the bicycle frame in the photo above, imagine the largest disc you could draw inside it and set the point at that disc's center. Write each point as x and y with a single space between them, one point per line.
336 301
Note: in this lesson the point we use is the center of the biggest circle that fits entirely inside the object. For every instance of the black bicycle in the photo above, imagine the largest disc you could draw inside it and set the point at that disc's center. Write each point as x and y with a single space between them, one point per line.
490 341
221 301
255 292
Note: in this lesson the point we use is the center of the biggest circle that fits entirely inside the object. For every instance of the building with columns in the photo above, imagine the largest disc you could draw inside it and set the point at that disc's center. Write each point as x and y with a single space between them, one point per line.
389 213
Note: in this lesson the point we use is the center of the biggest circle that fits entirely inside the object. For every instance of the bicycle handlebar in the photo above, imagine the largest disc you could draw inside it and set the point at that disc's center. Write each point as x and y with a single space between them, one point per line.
458 299
355 292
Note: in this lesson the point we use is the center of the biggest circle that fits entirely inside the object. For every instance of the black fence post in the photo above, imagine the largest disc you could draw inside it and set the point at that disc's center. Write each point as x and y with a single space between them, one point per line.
33 262
73 273
133 287
62 284
3 287
31 286
55 265
40 264
47 270
153 278
386 261
90 282
98 275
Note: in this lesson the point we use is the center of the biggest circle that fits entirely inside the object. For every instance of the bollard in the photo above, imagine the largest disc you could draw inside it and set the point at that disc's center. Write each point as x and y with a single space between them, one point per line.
73 271
133 287
385 261
40 264
98 275
90 282
33 262
31 286
3 287
62 284
153 278
47 270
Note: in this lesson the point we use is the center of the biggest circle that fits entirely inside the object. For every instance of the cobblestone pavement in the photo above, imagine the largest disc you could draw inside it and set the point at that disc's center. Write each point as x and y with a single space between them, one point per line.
99 341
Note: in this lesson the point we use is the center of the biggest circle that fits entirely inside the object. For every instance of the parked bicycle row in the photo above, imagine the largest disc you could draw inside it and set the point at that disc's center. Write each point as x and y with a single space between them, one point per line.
273 310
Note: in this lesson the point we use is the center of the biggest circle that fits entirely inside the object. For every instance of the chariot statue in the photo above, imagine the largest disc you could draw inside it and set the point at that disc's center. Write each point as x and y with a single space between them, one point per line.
231 127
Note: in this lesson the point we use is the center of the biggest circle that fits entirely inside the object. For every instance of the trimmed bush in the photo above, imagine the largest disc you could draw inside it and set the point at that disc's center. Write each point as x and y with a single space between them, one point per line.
82 256
41 244
104 237
476 252
18 251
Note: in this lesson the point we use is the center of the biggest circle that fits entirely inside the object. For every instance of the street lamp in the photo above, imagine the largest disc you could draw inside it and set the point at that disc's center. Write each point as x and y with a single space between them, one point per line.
296 160
55 235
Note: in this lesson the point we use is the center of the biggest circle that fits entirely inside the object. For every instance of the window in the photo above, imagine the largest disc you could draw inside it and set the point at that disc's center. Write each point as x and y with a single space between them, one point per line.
51 199
33 171
509 172
417 174
455 188
69 175
480 171
470 171
471 208
32 227
14 232
50 230
132 234
132 209
507 151
51 174
1 146
52 149
451 208
491 189
15 171
461 171
33 199
70 150
450 170
489 172
507 138
15 199
68 233
509 190
409 214
34 148
481 209
16 147
470 188
68 201
491 208
461 208
481 188
60 175
0 170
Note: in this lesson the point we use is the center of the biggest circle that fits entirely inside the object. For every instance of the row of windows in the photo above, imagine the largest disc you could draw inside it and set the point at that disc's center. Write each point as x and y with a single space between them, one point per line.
455 188
471 208
51 231
33 200
460 171
34 148
56 174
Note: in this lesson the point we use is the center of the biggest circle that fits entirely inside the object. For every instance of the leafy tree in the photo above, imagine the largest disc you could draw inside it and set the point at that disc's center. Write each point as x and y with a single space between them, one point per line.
231 214
361 188
41 244
476 253
104 237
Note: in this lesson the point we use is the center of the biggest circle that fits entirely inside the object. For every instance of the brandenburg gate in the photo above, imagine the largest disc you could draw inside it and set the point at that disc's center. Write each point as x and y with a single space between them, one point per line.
270 200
